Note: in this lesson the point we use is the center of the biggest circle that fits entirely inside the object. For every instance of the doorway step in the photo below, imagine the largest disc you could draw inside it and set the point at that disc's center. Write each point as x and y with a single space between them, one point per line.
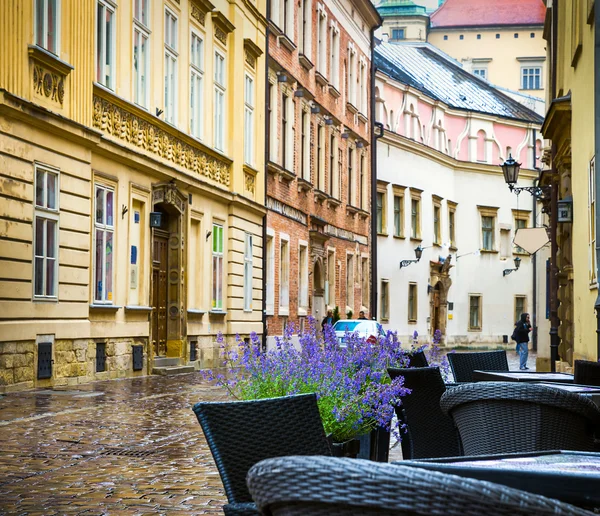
169 366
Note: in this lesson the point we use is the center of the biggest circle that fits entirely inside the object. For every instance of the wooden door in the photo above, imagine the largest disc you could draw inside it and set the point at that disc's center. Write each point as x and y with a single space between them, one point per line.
436 310
159 293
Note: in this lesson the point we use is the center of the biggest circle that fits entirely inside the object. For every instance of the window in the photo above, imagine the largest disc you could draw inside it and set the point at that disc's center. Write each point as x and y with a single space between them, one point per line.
521 220
415 218
287 21
285 131
399 216
47 24
516 35
452 224
487 233
437 224
104 244
196 86
270 250
249 121
332 149
380 213
480 72
305 146
445 37
322 43
170 67
217 267
363 107
365 277
248 273
351 179
304 29
412 302
474 312
478 36
497 36
320 158
397 33
330 284
303 278
45 272
350 281
194 268
284 277
593 272
105 44
141 53
520 307
362 200
531 78
352 76
461 37
219 102
532 35
505 244
271 110
385 300
335 57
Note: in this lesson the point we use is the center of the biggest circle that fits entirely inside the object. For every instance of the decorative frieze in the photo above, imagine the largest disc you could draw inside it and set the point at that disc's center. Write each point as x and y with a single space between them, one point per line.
222 26
250 59
199 10
49 84
249 183
220 35
251 52
132 129
198 15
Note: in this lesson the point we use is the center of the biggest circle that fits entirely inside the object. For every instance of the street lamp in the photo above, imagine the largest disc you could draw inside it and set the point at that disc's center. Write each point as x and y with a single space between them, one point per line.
506 272
511 169
418 254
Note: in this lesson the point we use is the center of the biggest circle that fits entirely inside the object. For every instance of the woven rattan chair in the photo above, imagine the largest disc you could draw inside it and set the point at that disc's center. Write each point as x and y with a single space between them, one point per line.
463 364
512 417
242 433
418 359
294 486
587 373
430 432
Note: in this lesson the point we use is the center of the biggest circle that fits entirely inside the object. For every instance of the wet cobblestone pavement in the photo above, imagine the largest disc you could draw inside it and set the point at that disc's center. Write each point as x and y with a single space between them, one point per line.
129 446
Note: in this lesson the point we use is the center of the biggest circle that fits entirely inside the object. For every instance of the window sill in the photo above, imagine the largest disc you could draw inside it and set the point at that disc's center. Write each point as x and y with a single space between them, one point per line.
352 210
285 41
517 253
453 248
334 92
192 311
49 59
305 62
284 311
474 329
382 234
108 308
278 171
270 311
363 214
400 237
416 239
321 79
45 300
333 202
385 319
435 244
137 308
412 322
220 313
304 185
302 312
320 196
363 118
488 251
351 107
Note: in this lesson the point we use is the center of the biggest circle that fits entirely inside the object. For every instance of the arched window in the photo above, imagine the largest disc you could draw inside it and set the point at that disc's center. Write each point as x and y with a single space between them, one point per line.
481 153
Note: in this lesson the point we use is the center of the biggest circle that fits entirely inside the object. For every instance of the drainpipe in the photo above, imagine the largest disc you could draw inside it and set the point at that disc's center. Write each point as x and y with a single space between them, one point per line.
267 147
534 335
374 136
596 168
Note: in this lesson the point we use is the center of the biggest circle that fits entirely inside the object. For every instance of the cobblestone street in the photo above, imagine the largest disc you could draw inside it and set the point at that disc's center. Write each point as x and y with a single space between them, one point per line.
115 447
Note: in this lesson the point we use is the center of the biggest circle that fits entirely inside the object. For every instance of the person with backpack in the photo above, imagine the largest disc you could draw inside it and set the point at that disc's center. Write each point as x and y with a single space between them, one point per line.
521 335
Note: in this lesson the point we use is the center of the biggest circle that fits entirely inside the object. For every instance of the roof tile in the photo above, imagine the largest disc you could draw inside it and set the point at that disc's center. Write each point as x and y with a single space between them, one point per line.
486 13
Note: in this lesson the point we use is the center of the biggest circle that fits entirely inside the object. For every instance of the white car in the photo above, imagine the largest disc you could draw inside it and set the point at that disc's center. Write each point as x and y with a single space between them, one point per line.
365 328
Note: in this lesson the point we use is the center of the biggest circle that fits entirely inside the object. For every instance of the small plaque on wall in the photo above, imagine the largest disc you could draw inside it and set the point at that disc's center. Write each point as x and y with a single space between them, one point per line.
155 219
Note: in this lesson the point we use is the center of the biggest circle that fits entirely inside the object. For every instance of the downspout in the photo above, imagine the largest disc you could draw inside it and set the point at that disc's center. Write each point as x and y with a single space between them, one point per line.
266 159
596 168
374 282
534 335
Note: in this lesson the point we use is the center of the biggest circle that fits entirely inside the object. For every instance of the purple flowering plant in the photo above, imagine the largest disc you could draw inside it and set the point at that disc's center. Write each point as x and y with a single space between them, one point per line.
354 392
433 353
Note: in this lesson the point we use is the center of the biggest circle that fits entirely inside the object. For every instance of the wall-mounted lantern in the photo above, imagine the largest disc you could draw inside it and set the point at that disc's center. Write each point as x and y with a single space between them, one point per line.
506 272
418 254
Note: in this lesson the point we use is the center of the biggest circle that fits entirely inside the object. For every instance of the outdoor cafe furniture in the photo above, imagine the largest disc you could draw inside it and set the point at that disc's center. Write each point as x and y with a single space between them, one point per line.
291 486
510 417
587 372
520 376
587 391
463 364
242 433
569 476
418 359
430 432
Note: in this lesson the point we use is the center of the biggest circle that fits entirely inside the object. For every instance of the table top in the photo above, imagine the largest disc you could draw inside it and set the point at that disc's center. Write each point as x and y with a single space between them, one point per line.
521 376
569 476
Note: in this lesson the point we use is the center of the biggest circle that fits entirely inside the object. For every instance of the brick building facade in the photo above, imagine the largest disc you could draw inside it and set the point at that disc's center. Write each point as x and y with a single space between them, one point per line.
318 246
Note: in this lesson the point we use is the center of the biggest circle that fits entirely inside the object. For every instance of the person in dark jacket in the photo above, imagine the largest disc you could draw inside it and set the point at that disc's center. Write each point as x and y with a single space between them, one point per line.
522 330
328 319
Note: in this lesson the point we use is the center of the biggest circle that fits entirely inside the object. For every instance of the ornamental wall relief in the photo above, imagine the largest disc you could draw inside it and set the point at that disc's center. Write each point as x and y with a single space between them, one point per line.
126 126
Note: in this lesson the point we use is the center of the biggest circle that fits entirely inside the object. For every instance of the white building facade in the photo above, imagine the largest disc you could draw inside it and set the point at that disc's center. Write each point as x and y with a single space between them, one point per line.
440 187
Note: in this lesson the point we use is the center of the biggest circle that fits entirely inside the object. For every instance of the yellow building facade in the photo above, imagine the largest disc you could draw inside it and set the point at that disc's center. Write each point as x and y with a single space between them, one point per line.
570 127
132 185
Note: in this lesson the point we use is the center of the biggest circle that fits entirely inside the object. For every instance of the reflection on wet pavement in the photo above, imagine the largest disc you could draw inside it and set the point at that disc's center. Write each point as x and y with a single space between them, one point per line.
129 446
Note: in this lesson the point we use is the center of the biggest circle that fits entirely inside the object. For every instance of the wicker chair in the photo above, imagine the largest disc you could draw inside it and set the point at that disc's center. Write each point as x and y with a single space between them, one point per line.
430 432
242 433
463 364
294 486
511 417
587 373
418 359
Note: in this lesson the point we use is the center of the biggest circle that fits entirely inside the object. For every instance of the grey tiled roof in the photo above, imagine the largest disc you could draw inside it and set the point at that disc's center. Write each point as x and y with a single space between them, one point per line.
440 77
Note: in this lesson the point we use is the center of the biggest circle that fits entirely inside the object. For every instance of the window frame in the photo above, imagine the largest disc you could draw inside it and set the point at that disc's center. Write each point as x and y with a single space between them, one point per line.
322 52
350 280
399 193
249 123
106 228
362 197
492 213
437 220
270 273
452 206
381 209
330 282
197 86
528 73
171 64
351 178
141 82
219 104
43 30
284 274
248 271
365 280
471 327
305 145
335 56
481 72
320 179
398 29
303 296
517 313
520 216
385 299
415 217
101 55
46 213
217 267
413 303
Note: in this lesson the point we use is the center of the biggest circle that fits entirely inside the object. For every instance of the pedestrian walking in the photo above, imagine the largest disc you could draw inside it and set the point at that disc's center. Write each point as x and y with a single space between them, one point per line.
361 315
522 329
328 319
